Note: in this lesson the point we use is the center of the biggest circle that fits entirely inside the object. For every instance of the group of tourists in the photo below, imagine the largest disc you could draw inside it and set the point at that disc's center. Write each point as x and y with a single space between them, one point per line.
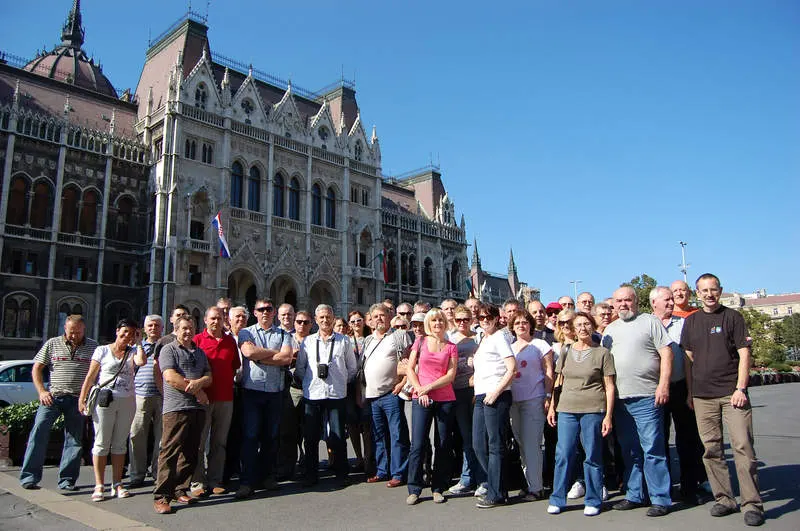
560 401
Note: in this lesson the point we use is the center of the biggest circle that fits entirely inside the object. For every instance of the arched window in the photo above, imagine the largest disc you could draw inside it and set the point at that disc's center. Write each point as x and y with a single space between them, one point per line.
19 315
88 221
254 190
65 310
330 209
41 208
427 274
358 150
113 313
277 195
294 199
124 219
412 270
198 319
200 96
455 276
316 205
18 202
208 153
190 151
391 267
404 269
237 178
69 210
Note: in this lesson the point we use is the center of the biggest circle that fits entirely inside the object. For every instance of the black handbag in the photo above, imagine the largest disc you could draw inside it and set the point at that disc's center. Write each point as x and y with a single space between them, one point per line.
100 395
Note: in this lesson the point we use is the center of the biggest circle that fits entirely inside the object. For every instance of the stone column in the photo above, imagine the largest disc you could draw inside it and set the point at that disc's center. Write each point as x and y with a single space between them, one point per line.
56 226
344 223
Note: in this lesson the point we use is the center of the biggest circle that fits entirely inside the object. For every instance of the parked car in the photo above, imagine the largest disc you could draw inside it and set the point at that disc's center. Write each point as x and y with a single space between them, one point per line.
16 382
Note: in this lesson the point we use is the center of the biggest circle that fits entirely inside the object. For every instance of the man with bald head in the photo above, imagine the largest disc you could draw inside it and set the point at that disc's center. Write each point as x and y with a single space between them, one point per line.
681 293
539 314
643 359
585 302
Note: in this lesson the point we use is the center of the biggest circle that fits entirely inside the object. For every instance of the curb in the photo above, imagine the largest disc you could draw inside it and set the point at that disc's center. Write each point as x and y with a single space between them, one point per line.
87 515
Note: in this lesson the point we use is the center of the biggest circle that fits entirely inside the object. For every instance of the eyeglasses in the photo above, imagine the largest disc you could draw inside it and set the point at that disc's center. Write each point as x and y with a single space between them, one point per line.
405 313
484 317
267 309
356 321
564 323
462 319
302 321
402 327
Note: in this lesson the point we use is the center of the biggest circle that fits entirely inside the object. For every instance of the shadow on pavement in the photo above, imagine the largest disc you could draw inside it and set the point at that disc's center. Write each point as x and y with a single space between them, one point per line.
780 483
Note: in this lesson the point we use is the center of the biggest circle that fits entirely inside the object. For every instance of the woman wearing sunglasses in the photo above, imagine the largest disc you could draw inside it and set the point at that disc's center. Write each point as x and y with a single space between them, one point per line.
495 366
358 417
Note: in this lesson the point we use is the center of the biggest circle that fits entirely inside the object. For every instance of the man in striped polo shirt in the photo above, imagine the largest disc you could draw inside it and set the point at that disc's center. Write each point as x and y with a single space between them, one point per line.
67 358
148 407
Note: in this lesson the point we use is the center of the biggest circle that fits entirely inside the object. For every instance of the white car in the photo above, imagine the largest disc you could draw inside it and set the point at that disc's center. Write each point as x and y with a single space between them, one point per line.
16 382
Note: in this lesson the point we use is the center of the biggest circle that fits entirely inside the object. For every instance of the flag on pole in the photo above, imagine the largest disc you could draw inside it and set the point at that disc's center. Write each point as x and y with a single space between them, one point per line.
224 250
469 286
384 268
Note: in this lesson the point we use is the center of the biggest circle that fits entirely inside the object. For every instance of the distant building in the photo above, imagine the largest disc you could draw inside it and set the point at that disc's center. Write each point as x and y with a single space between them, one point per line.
494 288
775 306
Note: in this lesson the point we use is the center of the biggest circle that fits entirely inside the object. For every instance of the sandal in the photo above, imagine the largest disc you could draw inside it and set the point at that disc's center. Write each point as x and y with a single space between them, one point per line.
120 491
99 493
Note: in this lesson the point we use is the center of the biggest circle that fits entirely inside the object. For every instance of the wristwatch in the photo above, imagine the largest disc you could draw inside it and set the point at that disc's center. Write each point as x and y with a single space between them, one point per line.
742 389
548 395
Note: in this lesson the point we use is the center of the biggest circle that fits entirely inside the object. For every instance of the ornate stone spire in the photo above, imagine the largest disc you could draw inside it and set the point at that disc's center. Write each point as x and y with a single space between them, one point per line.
513 279
476 260
72 33
374 134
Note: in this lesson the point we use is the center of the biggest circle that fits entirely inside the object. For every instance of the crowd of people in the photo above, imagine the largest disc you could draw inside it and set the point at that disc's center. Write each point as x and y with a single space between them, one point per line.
558 401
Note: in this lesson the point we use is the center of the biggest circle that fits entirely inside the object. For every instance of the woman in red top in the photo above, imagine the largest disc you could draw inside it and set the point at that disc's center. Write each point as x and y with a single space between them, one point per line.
431 370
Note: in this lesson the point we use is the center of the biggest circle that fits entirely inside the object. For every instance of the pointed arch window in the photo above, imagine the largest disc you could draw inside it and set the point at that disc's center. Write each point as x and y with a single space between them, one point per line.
124 219
200 96
18 202
237 176
254 190
455 276
190 150
391 266
294 199
88 220
277 195
330 208
69 210
412 270
316 205
19 311
42 206
427 274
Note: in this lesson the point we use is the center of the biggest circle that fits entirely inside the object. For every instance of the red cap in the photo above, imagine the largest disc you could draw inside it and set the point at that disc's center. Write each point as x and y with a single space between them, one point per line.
553 307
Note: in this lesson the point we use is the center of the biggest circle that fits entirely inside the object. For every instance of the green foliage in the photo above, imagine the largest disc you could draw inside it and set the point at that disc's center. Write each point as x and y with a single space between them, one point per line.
787 331
793 363
19 417
766 350
642 285
780 367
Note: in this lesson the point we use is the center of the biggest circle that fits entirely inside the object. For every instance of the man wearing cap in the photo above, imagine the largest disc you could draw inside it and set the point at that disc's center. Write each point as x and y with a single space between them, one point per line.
553 309
418 325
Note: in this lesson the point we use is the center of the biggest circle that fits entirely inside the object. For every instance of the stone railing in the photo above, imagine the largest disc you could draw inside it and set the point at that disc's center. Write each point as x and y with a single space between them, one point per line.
325 232
286 223
288 143
249 130
201 246
196 113
28 232
78 239
327 156
363 168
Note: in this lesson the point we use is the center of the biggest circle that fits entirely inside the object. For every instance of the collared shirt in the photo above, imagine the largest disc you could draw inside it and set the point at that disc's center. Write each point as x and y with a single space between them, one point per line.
545 335
223 358
674 328
68 364
337 352
260 376
144 382
191 363
380 362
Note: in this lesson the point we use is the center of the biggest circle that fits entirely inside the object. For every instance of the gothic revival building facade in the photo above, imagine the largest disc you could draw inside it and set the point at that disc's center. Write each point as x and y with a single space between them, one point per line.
107 200
494 288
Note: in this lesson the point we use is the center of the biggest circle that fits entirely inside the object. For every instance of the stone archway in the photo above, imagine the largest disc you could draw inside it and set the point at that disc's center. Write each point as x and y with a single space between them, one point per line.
283 290
321 293
242 288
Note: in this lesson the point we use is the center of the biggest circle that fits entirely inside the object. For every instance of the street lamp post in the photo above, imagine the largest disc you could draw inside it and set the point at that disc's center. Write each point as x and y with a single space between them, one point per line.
575 287
684 267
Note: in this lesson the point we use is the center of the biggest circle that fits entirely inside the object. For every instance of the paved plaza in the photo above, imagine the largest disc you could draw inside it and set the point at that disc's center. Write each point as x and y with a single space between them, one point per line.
363 506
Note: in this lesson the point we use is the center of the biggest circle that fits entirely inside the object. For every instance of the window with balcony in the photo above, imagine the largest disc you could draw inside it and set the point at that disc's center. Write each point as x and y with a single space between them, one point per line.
294 199
316 205
254 190
88 219
277 195
69 209
330 209
237 178
42 205
17 213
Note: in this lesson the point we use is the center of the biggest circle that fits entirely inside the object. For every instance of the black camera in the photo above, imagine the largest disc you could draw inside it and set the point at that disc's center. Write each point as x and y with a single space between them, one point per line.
322 370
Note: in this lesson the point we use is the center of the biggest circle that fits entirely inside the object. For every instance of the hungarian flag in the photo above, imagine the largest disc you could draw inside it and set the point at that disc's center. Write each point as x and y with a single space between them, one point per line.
469 287
384 267
224 250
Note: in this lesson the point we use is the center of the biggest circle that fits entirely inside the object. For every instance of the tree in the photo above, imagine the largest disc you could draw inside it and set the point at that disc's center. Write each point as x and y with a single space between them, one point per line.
766 350
787 333
642 285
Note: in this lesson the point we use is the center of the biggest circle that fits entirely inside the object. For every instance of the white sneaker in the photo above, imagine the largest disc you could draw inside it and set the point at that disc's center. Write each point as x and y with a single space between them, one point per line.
591 511
604 495
481 491
577 491
553 509
459 488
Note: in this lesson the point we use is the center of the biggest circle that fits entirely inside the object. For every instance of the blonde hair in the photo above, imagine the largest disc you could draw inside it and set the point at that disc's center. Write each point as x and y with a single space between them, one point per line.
563 315
430 316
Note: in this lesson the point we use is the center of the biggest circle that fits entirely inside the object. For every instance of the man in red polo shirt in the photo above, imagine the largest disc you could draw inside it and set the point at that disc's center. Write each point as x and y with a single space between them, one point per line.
223 357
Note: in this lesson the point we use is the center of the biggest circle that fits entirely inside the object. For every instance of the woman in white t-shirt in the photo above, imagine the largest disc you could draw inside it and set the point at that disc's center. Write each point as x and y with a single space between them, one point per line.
495 366
531 390
112 424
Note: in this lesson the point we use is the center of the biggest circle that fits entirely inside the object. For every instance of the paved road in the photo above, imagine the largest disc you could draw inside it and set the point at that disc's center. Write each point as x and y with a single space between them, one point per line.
362 506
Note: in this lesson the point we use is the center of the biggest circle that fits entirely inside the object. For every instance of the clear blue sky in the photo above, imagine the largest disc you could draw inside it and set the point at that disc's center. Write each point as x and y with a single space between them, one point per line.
592 136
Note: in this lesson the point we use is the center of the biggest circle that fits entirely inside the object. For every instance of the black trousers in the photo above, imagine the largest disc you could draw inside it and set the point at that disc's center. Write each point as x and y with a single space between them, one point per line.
687 439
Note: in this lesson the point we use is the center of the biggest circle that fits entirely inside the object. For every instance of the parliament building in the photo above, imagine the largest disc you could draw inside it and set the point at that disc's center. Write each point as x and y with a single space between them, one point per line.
107 199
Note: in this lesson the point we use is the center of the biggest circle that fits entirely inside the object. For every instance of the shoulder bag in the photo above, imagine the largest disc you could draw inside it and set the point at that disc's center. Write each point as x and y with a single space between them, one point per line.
101 395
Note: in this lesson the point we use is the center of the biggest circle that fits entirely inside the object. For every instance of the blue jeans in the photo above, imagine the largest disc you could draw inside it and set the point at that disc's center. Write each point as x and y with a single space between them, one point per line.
315 411
490 422
471 472
421 419
70 466
640 427
261 420
587 426
388 419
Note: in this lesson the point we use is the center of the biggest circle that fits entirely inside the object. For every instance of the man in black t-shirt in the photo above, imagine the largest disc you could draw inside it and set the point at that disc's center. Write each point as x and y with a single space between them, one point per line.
715 340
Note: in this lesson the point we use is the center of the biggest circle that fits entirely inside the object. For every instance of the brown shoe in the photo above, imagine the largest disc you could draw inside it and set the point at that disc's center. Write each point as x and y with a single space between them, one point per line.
184 498
218 490
394 482
376 479
162 506
199 493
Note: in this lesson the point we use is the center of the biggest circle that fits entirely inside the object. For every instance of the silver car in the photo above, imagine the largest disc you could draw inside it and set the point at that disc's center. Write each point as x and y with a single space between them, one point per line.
16 382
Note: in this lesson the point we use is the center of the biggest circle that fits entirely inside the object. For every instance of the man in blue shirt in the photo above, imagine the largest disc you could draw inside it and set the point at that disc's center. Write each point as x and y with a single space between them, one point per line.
267 349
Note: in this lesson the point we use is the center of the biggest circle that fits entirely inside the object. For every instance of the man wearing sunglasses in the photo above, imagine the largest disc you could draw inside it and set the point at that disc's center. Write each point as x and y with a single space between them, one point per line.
267 349
287 439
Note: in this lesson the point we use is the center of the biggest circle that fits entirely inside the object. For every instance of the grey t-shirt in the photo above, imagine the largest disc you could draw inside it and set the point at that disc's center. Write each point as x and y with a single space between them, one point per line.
380 362
189 363
634 345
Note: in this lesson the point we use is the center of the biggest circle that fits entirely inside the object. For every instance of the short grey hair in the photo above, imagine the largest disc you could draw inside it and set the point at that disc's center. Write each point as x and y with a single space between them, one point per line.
242 309
656 290
322 308
154 317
